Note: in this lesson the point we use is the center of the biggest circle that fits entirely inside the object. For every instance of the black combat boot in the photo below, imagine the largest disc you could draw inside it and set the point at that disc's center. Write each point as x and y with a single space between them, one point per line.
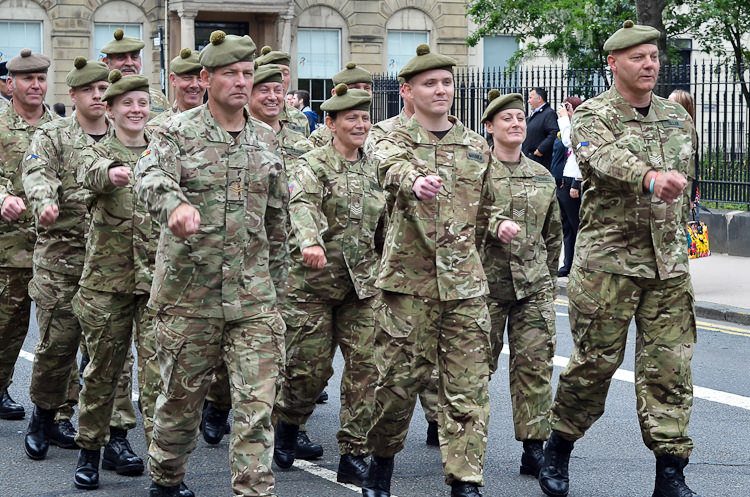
36 441
119 456
463 489
9 408
322 398
157 490
377 482
306 449
87 470
670 481
533 455
62 434
285 444
553 477
432 434
352 469
213 423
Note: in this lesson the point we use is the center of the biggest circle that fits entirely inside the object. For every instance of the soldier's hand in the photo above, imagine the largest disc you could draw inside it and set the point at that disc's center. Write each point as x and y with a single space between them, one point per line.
49 215
119 175
184 220
669 186
426 187
507 231
12 208
314 256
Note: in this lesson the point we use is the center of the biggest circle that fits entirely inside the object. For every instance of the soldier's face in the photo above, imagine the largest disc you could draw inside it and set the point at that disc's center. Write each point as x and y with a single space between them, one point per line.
129 111
88 100
508 128
28 89
350 128
4 89
361 86
286 75
432 92
635 68
266 101
126 63
188 90
229 86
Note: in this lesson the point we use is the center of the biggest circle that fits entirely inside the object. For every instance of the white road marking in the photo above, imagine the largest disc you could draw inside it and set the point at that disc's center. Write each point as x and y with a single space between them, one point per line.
326 474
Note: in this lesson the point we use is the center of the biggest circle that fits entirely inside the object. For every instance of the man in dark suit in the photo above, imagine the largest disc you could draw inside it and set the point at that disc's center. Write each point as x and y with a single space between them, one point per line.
541 128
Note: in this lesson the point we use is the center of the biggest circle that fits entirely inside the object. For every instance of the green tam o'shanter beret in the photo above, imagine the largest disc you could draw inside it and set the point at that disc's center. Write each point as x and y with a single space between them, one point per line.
86 72
122 44
227 49
345 99
123 84
425 61
28 61
352 75
630 35
499 102
269 56
269 73
186 62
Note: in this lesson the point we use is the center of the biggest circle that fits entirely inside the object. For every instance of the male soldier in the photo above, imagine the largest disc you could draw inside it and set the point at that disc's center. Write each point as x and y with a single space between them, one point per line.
124 54
353 77
635 151
19 120
59 204
220 195
4 93
184 76
290 116
433 313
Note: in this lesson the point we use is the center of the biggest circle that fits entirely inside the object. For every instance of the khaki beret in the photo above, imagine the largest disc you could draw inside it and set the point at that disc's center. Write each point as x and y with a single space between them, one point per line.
630 35
352 75
345 99
425 61
499 102
123 84
122 44
86 72
185 63
27 61
227 49
269 56
269 73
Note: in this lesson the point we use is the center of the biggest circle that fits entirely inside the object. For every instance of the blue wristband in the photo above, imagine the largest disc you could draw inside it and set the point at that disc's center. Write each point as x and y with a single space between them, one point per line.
651 186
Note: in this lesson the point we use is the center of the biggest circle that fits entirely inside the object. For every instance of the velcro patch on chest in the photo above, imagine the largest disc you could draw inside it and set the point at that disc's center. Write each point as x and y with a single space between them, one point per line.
475 156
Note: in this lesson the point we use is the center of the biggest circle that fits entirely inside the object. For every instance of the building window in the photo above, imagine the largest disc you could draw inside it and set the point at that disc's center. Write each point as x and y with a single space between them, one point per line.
402 46
17 35
498 50
103 34
203 30
318 53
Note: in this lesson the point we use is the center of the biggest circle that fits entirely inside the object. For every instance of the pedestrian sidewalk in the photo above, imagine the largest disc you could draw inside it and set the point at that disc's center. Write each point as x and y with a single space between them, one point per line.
722 287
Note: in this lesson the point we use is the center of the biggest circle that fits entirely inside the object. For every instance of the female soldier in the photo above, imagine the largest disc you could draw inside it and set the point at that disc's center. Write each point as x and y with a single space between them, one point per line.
521 271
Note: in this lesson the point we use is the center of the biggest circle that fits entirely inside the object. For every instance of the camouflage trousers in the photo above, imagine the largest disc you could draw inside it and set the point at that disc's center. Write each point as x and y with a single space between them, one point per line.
149 374
314 329
428 398
107 320
54 376
15 310
531 340
414 335
189 350
601 308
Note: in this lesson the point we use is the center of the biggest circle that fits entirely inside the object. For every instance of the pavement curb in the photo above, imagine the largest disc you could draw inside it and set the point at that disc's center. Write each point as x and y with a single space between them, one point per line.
708 310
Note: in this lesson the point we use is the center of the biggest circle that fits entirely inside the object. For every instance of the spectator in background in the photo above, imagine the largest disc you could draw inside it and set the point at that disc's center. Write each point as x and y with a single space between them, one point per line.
686 100
302 102
59 109
569 188
541 129
4 90
290 98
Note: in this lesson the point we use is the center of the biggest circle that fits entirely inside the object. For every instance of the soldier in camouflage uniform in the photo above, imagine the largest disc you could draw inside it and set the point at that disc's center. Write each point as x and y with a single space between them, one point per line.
636 153
354 78
219 191
184 75
19 121
59 205
522 274
111 301
292 117
336 210
433 313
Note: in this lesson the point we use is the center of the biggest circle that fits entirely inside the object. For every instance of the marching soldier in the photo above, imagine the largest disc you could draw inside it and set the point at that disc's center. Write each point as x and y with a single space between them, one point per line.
184 76
290 115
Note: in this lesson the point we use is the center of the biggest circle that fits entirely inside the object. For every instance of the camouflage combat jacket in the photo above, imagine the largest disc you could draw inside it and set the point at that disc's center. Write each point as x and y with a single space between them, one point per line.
121 243
50 177
16 238
159 118
321 136
624 230
525 192
338 205
292 145
231 268
159 102
295 119
382 128
431 245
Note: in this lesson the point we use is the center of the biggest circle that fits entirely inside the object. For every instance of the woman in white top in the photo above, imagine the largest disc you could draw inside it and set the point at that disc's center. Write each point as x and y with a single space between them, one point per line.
569 192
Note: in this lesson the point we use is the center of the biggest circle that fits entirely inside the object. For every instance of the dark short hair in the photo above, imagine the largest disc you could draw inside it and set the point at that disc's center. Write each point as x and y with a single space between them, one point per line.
303 95
540 92
59 108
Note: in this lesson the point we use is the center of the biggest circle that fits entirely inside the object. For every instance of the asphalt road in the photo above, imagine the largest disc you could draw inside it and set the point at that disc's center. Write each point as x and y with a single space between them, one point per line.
611 461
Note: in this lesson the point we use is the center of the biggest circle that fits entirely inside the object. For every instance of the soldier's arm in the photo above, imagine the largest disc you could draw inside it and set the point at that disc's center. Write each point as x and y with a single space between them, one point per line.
40 179
94 171
553 238
398 168
276 226
306 197
492 206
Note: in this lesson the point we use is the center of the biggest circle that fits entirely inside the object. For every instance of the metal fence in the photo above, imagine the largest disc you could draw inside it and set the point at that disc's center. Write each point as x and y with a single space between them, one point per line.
722 115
